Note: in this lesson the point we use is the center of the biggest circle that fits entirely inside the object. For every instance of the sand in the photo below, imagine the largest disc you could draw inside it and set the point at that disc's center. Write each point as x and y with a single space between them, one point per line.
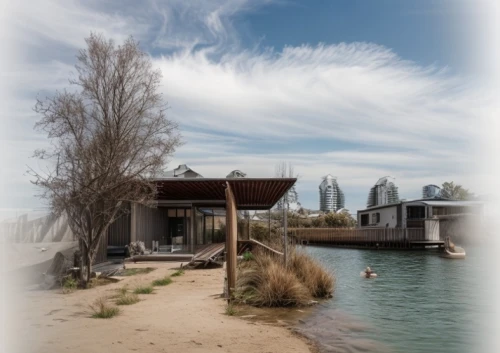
185 316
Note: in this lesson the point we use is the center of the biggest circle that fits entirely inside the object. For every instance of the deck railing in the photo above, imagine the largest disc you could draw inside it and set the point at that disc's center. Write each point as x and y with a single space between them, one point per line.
357 235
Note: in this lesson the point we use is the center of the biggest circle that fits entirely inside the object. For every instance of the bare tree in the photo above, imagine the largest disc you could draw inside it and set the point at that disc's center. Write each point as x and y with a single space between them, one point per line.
109 137
286 170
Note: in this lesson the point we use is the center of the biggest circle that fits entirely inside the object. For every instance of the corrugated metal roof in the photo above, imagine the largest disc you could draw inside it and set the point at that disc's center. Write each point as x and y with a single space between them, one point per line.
249 193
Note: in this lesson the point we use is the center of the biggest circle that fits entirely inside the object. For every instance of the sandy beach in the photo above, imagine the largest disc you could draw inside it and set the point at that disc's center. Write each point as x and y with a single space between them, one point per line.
185 316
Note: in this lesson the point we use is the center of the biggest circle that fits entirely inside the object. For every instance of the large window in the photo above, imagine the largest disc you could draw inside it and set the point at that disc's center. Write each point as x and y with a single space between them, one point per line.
375 218
415 212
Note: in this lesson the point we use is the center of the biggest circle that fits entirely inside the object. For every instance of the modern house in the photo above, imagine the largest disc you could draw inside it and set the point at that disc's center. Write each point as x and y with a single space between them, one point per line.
190 211
438 217
331 197
412 214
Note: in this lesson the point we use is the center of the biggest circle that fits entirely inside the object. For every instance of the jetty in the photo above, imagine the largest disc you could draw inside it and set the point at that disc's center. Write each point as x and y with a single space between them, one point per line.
376 238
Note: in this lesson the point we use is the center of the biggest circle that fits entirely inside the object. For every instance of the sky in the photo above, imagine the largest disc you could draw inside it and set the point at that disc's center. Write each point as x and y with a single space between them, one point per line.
358 89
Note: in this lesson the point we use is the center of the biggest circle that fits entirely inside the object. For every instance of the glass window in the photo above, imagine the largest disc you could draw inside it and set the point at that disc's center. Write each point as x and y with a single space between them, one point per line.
172 212
180 212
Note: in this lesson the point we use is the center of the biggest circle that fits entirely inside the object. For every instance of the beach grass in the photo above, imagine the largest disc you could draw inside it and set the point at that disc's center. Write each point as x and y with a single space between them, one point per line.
127 299
177 273
144 290
265 281
136 271
162 282
102 310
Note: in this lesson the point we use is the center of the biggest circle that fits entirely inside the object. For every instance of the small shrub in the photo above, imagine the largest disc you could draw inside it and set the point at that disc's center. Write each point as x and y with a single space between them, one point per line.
127 299
102 310
162 282
230 310
69 285
178 273
247 256
144 290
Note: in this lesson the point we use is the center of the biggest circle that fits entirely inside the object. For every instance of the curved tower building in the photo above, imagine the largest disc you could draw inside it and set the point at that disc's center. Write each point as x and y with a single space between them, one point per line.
431 191
331 197
382 193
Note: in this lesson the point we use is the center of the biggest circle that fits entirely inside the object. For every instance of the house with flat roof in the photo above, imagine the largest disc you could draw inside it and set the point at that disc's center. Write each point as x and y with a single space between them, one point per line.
189 211
438 216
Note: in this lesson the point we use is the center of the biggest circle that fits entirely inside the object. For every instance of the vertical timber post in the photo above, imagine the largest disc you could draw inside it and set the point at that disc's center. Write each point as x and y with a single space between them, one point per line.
133 223
269 224
248 225
285 226
193 229
231 240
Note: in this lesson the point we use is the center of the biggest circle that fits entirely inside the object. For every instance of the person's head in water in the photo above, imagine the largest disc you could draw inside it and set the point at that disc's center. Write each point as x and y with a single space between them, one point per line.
368 270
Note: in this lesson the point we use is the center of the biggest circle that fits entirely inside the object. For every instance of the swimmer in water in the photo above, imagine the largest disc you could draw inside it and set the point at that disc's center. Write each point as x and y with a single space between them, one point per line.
368 272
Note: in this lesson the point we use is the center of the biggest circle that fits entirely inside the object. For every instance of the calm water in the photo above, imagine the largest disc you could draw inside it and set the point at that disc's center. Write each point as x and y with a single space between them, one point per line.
418 303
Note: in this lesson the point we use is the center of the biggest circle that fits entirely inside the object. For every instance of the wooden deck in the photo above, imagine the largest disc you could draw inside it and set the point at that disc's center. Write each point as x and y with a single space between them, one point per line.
208 254
171 257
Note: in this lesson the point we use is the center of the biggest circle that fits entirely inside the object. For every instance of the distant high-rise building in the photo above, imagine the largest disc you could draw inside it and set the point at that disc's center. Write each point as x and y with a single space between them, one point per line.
431 191
382 193
331 197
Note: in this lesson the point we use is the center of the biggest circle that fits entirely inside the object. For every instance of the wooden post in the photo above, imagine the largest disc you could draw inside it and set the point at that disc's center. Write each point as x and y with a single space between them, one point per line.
248 225
133 223
285 229
193 229
231 240
269 223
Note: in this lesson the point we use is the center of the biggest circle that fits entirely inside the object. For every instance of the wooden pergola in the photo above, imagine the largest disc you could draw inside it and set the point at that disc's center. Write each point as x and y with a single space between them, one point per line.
232 193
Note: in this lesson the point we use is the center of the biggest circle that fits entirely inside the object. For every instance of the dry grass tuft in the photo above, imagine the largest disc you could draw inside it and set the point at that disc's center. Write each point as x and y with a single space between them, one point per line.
101 309
144 290
127 299
265 281
178 273
162 282
317 279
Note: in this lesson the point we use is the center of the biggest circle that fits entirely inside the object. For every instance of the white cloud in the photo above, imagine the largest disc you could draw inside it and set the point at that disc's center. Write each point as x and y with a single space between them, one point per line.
408 121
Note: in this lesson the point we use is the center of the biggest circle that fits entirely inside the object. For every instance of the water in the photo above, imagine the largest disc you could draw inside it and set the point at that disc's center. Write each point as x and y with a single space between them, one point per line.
418 303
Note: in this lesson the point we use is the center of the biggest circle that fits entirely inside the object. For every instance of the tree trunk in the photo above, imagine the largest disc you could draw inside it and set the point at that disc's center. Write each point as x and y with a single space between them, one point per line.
85 265
89 265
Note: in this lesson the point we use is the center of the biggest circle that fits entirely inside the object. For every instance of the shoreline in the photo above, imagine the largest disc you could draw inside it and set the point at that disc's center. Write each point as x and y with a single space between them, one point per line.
188 315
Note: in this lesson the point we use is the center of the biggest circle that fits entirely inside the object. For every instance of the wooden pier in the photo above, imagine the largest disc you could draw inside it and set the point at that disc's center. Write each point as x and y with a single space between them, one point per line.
376 238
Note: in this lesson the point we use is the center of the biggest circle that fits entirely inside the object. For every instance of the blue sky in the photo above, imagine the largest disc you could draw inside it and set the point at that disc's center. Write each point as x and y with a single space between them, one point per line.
416 30
359 89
